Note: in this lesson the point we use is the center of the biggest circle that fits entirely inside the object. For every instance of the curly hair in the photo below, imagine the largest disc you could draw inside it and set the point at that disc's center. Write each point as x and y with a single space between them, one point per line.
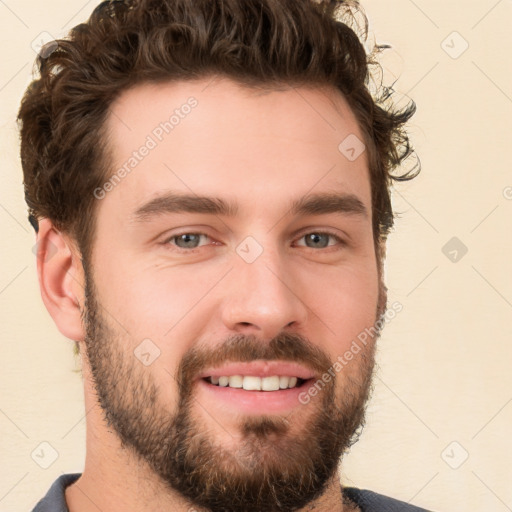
256 43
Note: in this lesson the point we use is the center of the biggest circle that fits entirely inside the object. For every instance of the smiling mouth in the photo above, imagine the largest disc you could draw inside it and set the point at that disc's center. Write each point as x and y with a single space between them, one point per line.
254 383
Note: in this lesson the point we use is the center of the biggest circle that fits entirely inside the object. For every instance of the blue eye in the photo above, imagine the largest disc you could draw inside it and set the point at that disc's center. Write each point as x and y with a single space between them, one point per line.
317 240
320 239
187 240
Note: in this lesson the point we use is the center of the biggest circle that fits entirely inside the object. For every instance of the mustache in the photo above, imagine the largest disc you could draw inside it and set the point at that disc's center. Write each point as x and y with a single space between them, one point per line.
243 348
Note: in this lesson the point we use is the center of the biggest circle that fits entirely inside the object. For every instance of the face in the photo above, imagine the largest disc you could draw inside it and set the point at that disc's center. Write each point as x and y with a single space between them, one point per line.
233 268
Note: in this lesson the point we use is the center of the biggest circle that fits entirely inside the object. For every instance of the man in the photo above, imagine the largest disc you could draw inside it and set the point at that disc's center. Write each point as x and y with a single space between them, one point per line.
211 178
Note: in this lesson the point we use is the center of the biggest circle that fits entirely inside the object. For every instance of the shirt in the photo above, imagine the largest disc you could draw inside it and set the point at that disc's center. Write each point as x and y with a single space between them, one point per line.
368 501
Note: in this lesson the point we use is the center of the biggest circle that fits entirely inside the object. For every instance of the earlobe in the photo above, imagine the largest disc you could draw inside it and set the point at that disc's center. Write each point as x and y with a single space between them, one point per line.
61 282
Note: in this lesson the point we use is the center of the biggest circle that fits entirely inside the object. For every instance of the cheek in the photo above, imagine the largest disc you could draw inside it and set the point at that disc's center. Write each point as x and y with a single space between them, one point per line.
150 299
345 304
170 300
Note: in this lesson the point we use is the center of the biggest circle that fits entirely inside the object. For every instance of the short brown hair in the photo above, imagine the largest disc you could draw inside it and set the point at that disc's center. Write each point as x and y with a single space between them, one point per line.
254 42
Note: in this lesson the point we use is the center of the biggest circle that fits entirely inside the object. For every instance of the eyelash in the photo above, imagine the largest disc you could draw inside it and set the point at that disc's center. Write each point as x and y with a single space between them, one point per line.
340 241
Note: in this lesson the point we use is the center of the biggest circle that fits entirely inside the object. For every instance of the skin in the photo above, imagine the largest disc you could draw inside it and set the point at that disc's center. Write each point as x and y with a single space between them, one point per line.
261 151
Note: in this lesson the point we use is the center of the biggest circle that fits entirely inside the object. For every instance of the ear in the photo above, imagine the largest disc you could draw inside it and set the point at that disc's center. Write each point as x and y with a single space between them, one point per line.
61 280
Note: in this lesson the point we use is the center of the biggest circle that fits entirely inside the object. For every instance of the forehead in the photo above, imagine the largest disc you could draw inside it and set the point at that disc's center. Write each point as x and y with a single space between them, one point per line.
255 147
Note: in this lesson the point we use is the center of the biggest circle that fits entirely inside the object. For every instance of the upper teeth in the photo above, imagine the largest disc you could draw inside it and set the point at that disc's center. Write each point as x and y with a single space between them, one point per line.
251 383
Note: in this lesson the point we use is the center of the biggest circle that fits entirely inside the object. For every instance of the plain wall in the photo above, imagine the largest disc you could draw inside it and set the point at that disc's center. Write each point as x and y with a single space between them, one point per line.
443 390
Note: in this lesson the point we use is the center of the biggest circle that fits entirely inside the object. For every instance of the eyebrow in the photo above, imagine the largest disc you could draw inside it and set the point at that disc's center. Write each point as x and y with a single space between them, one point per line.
311 204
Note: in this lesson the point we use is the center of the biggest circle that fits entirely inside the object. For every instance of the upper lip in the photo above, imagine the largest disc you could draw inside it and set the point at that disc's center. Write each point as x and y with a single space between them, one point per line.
259 368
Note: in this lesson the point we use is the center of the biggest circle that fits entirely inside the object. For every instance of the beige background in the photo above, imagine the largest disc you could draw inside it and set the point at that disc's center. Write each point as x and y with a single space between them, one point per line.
444 387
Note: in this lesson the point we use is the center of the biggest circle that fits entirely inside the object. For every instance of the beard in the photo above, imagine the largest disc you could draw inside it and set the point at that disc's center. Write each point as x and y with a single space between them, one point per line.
278 463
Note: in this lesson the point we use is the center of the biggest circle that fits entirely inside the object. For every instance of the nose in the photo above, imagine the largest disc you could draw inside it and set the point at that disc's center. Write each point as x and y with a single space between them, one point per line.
264 298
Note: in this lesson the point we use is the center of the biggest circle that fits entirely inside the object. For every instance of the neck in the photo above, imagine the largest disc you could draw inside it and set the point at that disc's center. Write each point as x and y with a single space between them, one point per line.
114 481
102 490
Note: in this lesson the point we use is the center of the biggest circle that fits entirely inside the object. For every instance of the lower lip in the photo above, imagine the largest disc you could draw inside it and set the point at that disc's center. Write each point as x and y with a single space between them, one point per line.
253 402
